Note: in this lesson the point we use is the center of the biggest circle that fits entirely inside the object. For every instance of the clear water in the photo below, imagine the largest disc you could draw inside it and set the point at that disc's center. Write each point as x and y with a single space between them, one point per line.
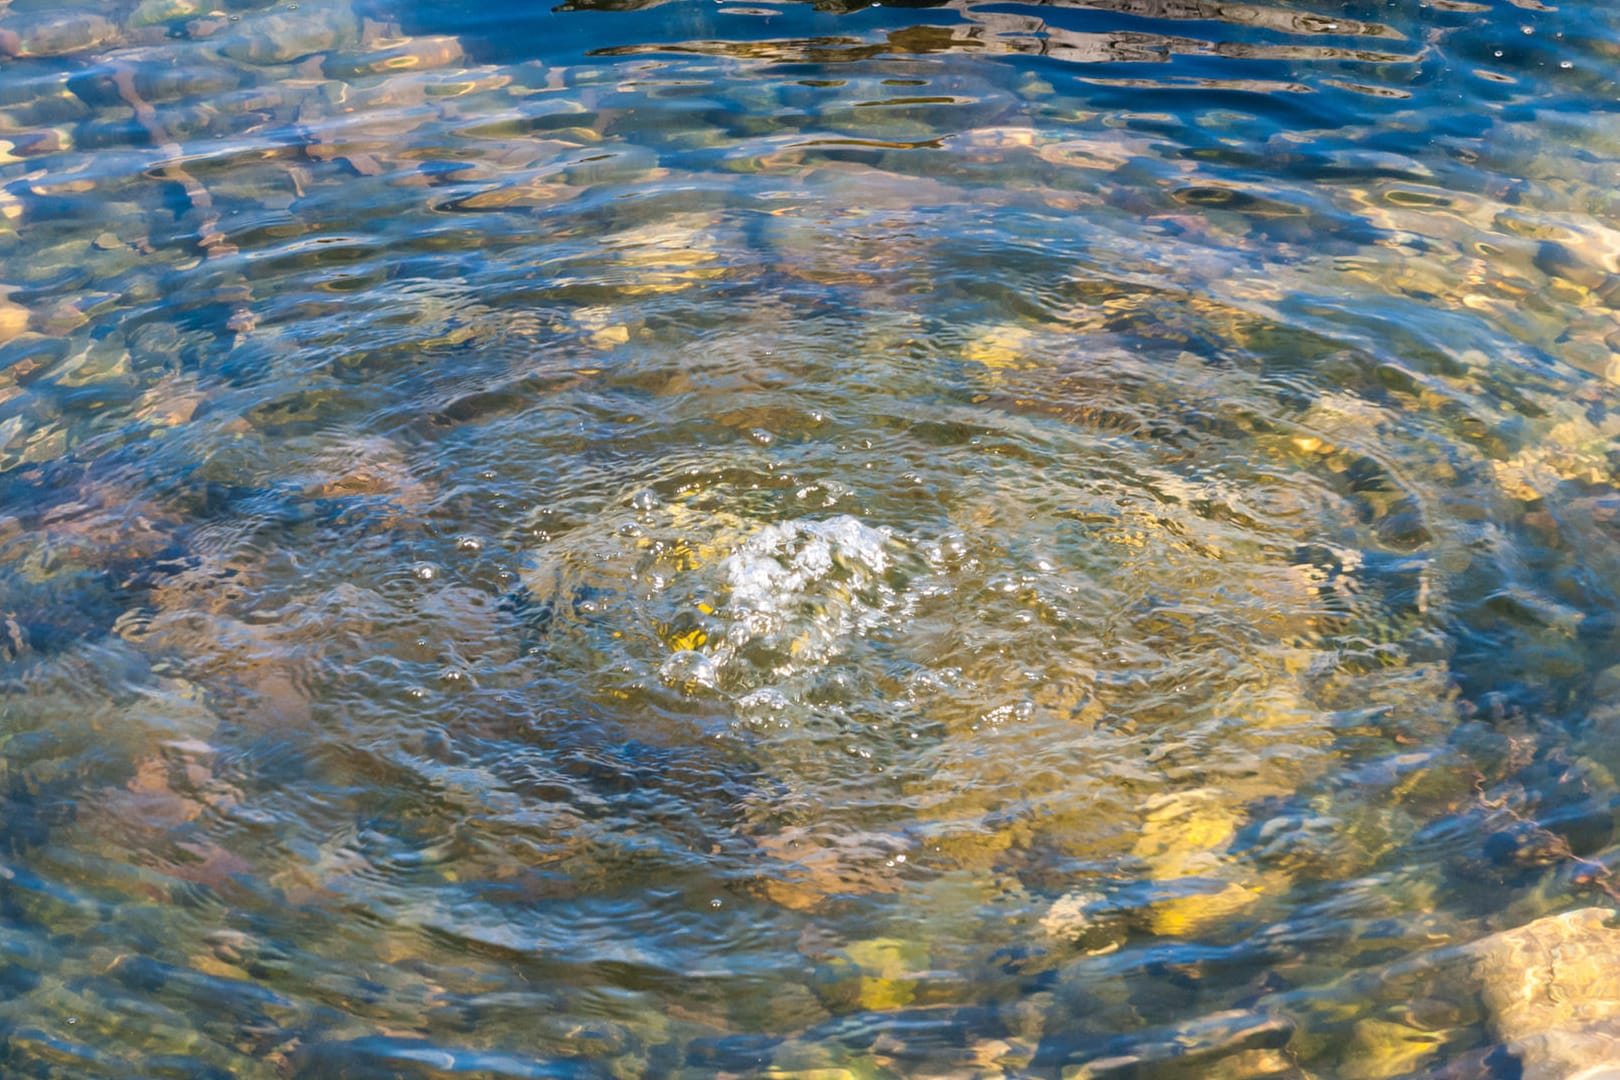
961 540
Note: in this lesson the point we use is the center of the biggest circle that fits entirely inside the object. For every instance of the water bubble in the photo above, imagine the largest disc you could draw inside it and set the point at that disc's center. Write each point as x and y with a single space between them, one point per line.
717 902
644 500
953 547
1527 30
469 543
688 670
762 437
424 571
1497 53
417 692
1566 64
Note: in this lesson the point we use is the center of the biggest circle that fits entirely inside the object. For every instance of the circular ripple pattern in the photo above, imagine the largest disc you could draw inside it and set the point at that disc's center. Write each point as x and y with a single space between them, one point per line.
972 539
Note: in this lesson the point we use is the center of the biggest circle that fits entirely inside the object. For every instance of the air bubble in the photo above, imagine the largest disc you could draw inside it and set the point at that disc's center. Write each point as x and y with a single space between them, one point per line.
688 670
424 571
469 543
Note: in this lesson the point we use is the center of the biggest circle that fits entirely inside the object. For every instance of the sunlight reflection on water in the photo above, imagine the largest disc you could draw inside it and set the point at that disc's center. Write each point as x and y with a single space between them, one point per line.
973 539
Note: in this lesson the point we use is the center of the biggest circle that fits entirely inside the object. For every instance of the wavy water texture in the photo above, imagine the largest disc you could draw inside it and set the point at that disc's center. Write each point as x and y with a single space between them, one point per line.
840 539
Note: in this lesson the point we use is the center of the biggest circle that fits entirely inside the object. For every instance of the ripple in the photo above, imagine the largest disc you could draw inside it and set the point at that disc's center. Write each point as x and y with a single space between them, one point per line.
971 536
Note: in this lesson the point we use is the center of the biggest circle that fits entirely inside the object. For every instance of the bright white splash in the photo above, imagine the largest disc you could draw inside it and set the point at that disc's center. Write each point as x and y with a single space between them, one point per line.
797 592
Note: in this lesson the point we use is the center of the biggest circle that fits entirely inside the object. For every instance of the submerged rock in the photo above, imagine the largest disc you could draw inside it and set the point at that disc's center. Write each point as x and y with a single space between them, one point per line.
1182 837
1381 1049
433 51
290 34
1204 1043
13 318
154 12
57 34
1552 994
876 974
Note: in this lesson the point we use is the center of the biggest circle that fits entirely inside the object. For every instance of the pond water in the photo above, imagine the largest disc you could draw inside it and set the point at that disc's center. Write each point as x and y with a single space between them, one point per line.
957 539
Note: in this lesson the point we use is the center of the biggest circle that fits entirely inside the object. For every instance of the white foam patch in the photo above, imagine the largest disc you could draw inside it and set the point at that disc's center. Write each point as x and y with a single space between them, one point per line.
798 592
779 564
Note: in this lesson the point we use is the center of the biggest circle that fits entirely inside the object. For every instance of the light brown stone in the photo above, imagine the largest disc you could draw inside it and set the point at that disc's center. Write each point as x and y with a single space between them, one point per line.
1552 994
13 320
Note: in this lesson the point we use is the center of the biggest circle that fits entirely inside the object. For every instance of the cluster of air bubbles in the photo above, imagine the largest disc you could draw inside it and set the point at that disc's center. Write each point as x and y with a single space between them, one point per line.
796 594
690 669
1529 31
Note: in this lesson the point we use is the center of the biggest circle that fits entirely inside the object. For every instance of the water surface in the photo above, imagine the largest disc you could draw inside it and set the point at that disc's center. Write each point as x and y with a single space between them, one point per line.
905 540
